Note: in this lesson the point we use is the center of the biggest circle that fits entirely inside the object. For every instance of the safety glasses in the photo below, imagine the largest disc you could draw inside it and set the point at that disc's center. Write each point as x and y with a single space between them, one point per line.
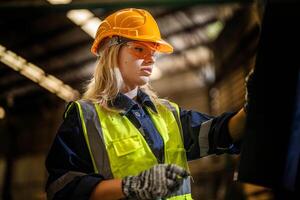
142 50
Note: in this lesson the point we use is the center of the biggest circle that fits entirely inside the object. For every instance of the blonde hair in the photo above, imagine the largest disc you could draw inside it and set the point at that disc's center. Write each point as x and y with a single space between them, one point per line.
107 81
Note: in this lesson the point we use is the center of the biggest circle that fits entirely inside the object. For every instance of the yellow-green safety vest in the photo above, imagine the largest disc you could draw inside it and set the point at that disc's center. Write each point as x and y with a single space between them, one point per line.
118 149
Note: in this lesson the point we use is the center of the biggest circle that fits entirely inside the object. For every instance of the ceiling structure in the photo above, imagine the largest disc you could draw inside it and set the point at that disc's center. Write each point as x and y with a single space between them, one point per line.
43 35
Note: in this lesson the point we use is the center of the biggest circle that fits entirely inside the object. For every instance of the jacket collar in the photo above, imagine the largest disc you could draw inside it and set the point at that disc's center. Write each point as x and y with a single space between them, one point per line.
126 104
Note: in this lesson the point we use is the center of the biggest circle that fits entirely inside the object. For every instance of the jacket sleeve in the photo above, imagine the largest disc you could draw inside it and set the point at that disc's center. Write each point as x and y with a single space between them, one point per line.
204 134
68 163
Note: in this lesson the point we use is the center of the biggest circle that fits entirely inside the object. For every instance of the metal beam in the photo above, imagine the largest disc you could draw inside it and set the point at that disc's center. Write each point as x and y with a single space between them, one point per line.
93 4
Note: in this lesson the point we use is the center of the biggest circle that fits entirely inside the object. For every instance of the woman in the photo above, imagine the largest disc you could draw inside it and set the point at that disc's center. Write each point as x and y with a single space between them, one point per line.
121 140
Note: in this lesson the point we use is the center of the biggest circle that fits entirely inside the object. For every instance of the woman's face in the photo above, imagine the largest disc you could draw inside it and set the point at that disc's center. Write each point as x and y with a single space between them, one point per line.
136 61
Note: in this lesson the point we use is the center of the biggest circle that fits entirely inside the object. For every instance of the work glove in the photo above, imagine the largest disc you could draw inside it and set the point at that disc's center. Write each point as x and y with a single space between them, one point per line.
157 182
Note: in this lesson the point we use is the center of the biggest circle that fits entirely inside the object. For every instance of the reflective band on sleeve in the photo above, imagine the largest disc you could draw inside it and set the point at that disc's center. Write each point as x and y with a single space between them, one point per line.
61 182
203 138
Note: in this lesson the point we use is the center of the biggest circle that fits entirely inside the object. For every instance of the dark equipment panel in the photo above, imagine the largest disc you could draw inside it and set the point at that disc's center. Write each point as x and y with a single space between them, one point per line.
271 112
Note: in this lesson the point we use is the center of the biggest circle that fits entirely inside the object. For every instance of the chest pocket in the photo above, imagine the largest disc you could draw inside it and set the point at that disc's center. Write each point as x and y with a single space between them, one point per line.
129 156
127 145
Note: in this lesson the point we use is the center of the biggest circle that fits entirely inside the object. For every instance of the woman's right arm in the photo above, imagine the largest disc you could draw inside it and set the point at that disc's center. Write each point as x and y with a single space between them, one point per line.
157 182
71 174
108 190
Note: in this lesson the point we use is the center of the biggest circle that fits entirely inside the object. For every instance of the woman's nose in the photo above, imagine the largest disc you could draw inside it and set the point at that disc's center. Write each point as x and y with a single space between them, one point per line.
149 60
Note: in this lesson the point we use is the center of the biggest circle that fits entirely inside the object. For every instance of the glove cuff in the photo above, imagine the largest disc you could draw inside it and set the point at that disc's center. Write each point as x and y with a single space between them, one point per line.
127 186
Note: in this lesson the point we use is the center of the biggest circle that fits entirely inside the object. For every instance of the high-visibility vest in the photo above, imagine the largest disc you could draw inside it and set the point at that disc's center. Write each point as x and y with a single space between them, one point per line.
118 149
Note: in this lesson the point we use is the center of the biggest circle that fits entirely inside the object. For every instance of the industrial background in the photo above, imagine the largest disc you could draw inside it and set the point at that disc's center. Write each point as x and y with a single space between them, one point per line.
46 62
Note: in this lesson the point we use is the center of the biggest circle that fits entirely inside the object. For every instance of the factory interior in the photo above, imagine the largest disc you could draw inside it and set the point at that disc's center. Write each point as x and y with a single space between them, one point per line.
46 62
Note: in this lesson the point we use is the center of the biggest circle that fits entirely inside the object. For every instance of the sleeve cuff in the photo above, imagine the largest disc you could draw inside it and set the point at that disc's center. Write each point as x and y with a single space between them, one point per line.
220 140
80 188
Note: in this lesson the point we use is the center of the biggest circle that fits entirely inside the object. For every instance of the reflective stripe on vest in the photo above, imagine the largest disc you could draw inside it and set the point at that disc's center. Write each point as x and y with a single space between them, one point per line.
94 139
118 149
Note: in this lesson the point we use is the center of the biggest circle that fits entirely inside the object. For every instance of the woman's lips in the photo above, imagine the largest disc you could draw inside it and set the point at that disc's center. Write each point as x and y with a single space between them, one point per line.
147 70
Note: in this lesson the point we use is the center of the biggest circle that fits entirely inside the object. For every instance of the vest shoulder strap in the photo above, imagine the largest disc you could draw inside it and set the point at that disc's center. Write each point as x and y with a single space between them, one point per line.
175 110
93 135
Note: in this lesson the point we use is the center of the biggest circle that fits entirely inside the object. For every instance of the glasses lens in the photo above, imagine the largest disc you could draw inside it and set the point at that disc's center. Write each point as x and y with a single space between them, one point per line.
140 50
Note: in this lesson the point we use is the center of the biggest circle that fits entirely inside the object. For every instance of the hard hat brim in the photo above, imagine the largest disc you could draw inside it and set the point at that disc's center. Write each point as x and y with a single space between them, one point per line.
162 47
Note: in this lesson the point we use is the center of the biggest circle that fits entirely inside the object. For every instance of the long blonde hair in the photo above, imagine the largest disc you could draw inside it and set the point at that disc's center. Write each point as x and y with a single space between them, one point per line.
107 81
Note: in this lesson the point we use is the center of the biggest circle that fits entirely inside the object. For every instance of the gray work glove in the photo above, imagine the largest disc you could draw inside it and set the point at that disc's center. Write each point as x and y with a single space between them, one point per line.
157 182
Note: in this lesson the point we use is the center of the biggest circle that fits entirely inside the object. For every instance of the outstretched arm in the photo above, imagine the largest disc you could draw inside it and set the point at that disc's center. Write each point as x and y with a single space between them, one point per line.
236 125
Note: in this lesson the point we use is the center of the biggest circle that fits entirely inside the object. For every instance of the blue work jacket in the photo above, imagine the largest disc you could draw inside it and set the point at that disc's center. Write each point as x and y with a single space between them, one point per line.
69 152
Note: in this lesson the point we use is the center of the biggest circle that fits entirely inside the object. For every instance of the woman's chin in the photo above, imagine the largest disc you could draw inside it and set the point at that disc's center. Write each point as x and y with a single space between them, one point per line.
144 80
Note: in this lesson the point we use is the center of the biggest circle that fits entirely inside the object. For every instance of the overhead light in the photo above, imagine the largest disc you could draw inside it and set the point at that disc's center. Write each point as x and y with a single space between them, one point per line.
177 42
91 26
79 17
199 55
32 72
66 92
51 83
214 29
2 113
11 58
82 17
37 75
59 1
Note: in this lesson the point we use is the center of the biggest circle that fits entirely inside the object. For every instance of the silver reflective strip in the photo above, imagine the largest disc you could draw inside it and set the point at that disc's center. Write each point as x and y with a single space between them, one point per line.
96 139
185 187
61 182
203 138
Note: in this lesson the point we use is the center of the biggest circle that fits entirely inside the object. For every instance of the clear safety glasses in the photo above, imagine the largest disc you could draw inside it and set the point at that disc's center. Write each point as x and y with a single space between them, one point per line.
142 50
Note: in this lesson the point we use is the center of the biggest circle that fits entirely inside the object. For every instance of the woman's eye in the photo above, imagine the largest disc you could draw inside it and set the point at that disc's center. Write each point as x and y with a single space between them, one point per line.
139 49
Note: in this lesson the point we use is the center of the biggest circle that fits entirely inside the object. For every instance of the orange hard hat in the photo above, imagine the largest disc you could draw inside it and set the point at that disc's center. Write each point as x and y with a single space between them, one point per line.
134 24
